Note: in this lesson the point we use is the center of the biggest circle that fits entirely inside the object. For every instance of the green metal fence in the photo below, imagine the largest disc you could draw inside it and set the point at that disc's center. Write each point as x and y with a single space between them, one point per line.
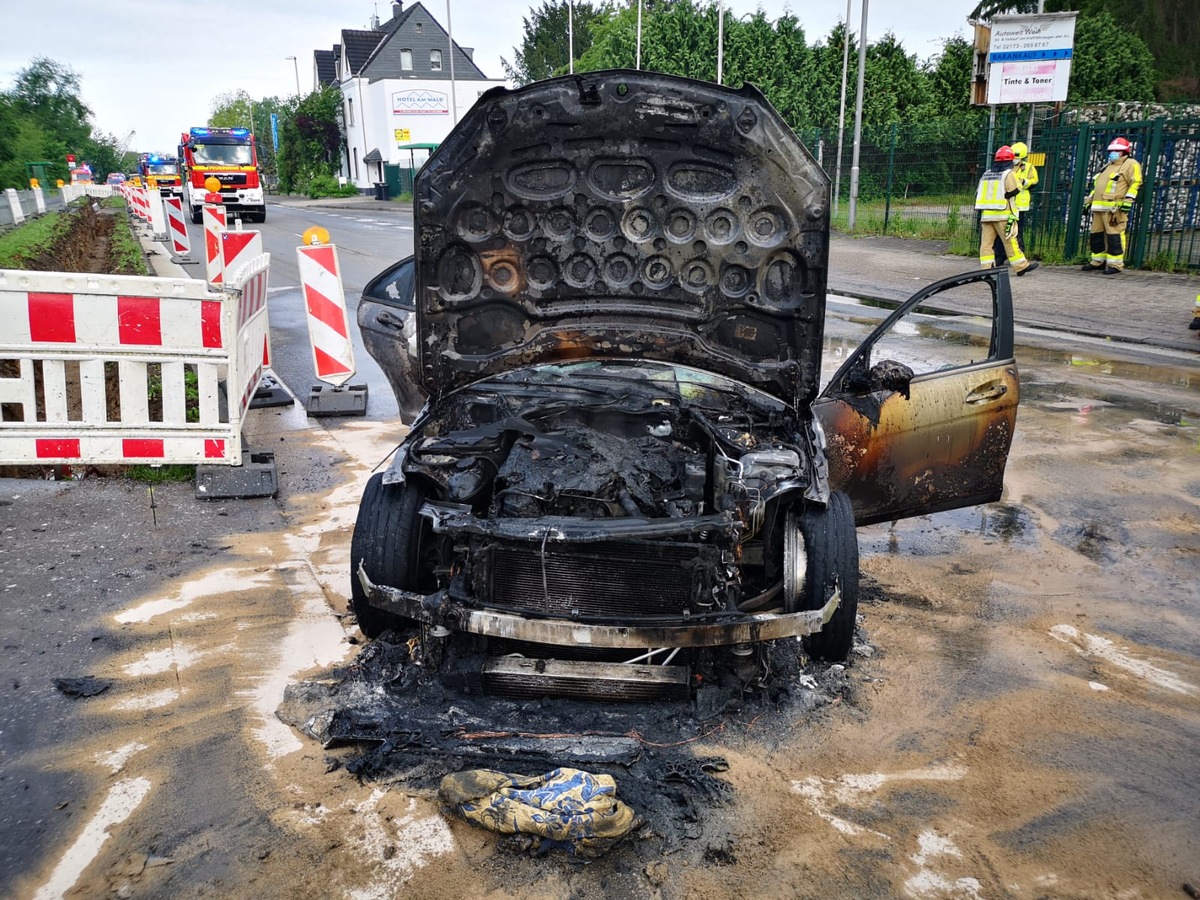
919 179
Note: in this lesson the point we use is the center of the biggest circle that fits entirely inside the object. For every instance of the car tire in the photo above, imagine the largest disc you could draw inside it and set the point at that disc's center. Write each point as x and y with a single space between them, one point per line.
831 544
385 540
197 214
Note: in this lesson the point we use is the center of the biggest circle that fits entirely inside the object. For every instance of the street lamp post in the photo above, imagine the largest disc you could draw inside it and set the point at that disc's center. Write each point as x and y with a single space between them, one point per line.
858 114
296 68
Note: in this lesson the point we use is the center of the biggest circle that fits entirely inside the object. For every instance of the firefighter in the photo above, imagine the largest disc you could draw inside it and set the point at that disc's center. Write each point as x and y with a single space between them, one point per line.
1027 177
1113 192
995 198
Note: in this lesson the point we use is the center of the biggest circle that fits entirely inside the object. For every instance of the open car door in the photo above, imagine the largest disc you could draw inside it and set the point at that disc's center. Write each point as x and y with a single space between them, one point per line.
920 417
387 322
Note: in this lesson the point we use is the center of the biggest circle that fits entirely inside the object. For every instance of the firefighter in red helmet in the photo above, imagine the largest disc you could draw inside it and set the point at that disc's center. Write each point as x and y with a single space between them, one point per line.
995 198
1113 191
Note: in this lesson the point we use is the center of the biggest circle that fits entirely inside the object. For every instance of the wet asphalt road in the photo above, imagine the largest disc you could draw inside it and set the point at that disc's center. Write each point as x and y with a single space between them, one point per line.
1036 665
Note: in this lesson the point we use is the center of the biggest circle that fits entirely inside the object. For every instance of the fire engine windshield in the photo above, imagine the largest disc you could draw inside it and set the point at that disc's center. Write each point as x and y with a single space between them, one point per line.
162 169
223 154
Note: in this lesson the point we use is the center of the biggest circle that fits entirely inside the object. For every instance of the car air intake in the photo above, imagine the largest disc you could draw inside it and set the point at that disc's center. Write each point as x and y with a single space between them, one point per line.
605 580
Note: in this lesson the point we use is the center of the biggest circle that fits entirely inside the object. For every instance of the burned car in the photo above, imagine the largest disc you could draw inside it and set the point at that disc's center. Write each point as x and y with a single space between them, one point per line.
617 311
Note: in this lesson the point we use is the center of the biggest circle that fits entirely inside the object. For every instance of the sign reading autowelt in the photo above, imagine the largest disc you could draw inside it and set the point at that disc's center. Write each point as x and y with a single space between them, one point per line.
420 102
1029 58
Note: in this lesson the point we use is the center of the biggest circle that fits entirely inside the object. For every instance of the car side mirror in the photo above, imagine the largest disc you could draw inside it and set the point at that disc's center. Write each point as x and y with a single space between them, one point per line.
889 375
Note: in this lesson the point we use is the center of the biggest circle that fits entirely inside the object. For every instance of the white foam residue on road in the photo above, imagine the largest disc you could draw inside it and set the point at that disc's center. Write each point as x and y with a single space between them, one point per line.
115 760
154 700
1097 686
123 798
176 656
1103 648
215 583
823 794
417 840
931 848
314 638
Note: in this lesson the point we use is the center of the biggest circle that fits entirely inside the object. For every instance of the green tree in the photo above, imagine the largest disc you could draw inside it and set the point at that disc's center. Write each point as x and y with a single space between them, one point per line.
544 50
311 141
948 75
1110 62
237 109
42 118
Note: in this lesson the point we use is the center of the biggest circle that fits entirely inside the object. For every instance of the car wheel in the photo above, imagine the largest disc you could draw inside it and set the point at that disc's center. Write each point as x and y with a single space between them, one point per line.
831 544
386 541
197 214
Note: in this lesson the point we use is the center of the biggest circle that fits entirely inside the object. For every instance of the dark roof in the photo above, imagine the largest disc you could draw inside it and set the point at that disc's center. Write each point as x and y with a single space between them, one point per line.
326 67
373 156
417 30
358 46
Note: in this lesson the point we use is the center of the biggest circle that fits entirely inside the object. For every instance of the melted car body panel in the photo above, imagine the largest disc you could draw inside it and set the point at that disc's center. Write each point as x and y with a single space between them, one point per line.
622 215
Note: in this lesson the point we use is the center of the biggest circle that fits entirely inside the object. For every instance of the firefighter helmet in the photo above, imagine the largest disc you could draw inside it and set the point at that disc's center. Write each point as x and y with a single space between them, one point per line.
1020 150
1004 154
1121 145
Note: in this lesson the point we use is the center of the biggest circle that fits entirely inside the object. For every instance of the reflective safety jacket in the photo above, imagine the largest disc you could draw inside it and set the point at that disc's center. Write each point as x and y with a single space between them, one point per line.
1117 181
995 194
1027 177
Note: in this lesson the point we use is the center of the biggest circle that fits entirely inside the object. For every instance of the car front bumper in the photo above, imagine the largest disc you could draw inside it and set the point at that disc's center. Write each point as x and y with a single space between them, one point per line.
440 610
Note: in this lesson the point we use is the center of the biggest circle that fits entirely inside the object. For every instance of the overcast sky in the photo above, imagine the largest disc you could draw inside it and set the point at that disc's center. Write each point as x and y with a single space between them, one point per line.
154 66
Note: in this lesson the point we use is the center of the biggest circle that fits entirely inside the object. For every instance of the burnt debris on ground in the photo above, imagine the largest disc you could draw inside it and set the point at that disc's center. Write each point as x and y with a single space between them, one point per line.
387 716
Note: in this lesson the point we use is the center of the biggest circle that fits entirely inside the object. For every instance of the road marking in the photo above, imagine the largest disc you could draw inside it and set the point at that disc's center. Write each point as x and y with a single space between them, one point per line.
123 798
823 794
116 759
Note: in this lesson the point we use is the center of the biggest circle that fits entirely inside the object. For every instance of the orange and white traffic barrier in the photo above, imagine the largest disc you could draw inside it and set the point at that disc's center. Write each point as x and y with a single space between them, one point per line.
325 302
177 234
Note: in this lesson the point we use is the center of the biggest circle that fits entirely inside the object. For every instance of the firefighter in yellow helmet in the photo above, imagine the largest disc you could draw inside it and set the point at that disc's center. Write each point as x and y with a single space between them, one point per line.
1027 177
995 198
1113 192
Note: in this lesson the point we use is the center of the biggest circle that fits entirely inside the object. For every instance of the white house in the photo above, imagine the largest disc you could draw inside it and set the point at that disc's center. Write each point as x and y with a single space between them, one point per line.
398 90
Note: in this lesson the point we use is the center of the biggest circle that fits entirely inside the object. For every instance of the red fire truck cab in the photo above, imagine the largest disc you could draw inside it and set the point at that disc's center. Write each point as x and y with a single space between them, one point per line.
230 156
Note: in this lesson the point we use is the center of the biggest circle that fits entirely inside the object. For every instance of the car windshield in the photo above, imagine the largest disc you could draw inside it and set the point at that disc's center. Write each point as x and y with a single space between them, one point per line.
223 154
685 385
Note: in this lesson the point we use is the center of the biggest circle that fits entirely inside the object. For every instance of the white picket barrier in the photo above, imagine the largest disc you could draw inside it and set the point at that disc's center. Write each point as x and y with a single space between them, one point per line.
127 369
72 192
214 225
39 200
14 203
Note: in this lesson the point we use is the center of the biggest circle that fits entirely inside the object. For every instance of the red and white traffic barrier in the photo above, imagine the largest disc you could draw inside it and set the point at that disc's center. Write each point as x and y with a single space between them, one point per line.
155 215
106 365
238 249
325 301
177 233
214 225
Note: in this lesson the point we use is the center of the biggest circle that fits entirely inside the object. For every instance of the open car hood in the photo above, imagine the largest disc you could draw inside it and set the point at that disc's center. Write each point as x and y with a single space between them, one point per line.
622 214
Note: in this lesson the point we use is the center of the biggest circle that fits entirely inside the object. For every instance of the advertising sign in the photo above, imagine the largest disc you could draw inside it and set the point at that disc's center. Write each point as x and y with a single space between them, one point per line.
403 135
420 102
1029 59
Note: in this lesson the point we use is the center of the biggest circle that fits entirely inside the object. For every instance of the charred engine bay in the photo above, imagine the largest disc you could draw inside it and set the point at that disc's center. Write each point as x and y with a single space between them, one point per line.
391 717
610 450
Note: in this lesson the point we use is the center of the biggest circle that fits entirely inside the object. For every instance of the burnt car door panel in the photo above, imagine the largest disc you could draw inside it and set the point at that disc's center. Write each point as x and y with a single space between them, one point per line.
920 417
387 322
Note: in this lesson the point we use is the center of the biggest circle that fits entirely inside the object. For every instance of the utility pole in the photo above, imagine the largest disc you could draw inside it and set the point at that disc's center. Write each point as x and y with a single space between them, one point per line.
858 112
837 177
453 92
571 36
296 68
720 40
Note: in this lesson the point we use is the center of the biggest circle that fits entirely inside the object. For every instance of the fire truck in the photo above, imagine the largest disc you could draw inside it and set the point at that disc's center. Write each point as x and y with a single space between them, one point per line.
82 174
230 156
160 172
